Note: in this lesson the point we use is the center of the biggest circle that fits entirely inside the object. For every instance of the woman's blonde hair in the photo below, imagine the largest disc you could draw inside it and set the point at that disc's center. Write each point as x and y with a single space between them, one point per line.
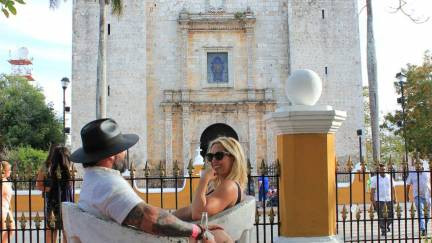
238 171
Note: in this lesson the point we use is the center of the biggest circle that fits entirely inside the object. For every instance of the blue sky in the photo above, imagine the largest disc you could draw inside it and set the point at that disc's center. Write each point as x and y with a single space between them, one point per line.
48 36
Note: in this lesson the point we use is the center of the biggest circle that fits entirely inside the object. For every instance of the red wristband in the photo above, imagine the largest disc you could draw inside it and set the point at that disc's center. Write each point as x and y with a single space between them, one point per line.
195 231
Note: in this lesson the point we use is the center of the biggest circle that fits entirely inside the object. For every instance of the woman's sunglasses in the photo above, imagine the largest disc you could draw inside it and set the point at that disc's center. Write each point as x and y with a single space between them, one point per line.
217 155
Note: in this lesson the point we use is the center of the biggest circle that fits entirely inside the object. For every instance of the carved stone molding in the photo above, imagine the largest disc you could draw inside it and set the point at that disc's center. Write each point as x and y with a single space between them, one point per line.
217 21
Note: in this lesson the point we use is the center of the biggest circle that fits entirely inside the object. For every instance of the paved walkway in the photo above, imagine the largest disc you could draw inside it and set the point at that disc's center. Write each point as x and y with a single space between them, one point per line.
368 231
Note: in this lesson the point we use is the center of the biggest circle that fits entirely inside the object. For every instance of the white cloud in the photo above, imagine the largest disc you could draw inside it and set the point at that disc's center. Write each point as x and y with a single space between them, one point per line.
36 20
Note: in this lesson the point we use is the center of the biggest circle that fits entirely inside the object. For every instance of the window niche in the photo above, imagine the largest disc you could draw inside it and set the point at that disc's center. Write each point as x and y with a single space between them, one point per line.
217 67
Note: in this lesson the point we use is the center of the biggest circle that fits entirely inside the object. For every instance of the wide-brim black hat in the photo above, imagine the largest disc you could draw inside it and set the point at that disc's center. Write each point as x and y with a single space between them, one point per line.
101 139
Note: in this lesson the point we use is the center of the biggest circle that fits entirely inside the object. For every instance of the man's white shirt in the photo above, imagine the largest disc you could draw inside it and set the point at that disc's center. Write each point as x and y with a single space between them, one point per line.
422 182
384 187
106 194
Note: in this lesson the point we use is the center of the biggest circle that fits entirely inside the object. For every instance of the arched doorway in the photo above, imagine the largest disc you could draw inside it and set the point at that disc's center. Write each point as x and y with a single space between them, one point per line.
215 131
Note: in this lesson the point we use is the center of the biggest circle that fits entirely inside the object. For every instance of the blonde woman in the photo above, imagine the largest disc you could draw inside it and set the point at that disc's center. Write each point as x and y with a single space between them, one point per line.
6 199
222 184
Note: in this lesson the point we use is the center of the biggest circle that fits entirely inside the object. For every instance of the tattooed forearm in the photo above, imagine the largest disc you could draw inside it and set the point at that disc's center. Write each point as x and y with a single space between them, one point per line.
135 216
157 221
169 225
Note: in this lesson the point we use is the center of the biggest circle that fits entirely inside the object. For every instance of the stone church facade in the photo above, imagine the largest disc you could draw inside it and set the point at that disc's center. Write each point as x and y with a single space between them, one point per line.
183 71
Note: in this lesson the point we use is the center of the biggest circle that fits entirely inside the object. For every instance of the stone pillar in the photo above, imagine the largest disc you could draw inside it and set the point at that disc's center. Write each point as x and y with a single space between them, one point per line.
252 133
250 33
270 138
306 151
168 134
186 133
183 44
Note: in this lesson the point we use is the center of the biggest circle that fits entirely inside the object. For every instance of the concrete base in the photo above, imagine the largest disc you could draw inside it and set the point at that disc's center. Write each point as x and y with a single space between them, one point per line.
334 239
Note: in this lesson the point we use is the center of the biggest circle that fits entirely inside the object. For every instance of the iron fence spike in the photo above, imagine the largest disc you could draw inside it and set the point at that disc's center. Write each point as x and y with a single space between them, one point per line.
8 222
146 169
52 220
23 221
371 212
271 215
190 168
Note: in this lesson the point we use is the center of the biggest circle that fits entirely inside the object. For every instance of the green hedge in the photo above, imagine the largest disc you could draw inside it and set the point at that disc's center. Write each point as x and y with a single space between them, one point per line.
26 157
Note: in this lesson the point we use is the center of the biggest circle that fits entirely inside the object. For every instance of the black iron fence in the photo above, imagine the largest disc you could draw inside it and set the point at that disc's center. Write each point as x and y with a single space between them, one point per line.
402 216
30 221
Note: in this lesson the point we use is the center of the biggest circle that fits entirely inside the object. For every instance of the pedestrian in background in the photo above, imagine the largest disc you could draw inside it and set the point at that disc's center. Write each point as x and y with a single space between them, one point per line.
419 182
56 186
5 200
383 195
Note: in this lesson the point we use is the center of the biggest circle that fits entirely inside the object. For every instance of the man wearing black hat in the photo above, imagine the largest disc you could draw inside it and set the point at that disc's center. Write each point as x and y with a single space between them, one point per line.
105 193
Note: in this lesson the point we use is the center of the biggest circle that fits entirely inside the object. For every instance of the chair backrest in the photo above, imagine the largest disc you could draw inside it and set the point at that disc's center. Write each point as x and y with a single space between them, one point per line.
238 219
82 227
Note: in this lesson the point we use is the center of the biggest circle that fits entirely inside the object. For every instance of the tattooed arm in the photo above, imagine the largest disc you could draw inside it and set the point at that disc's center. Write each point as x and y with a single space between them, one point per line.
157 221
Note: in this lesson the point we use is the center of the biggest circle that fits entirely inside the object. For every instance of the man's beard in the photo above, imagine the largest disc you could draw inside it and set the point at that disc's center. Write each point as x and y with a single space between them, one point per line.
120 165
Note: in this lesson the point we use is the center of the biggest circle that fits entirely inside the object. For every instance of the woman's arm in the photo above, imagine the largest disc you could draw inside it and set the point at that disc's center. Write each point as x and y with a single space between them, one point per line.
222 197
40 179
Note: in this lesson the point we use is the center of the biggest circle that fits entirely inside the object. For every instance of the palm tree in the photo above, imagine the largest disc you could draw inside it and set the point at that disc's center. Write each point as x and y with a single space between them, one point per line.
372 81
101 82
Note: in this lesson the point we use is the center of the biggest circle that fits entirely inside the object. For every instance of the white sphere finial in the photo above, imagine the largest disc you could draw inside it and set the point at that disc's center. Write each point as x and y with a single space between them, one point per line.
303 87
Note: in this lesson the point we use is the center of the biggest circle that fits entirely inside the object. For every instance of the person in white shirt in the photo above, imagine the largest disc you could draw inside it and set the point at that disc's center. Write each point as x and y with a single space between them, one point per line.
105 193
419 181
383 194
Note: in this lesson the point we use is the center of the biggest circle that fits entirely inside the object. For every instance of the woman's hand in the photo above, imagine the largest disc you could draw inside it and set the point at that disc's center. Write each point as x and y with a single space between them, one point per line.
208 174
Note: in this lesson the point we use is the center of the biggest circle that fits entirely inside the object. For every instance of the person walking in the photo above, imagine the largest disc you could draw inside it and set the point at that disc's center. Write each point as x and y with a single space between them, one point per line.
56 186
6 200
383 195
419 182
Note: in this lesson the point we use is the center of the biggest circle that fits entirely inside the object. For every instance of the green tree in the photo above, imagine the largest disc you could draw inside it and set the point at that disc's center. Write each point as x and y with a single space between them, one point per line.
372 69
418 108
391 145
8 6
25 119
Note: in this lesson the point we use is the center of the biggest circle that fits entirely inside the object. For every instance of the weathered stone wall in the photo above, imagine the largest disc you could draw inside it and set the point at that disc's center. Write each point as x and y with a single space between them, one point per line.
126 70
156 77
325 35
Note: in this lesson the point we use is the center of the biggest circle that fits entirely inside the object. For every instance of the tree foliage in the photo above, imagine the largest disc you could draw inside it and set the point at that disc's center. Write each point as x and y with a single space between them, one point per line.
391 144
26 159
25 119
8 6
418 108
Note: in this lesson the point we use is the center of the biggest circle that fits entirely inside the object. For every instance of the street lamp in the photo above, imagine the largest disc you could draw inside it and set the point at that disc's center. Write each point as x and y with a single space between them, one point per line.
65 82
359 134
401 100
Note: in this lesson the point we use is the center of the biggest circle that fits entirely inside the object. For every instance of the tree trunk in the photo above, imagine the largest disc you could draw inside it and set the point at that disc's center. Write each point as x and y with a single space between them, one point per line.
373 84
101 81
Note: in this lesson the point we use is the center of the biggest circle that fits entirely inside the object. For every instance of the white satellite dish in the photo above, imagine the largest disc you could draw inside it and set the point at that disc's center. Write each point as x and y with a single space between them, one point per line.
23 53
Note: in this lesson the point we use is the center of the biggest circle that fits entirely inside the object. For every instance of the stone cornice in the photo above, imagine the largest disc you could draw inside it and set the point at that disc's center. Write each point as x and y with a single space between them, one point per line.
216 21
304 120
232 96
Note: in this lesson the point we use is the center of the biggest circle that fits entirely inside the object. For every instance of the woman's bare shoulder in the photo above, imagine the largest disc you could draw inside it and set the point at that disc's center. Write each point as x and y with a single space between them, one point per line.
228 186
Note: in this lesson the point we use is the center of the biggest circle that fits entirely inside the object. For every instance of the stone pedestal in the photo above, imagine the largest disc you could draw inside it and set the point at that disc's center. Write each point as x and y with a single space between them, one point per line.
306 150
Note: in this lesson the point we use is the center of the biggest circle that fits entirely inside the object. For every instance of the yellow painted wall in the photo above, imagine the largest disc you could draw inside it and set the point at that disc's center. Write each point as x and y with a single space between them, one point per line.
357 192
168 198
307 191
